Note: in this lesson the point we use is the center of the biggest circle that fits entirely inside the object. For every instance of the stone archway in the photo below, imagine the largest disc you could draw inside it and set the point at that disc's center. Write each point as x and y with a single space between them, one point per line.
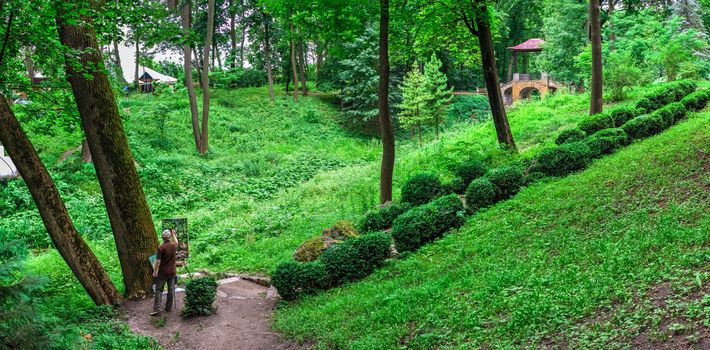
529 92
508 96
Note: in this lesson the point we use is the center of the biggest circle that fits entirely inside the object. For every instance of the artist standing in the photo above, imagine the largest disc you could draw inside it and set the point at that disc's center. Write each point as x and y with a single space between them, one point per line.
164 271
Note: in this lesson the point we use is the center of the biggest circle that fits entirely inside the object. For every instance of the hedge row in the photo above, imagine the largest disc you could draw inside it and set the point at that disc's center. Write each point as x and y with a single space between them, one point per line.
344 262
696 101
427 222
382 218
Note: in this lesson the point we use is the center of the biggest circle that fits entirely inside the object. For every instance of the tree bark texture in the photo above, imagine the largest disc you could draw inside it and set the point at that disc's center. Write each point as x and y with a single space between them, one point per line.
204 139
85 152
117 61
293 64
596 37
267 55
302 64
232 35
187 66
490 75
127 208
386 130
73 249
138 55
612 33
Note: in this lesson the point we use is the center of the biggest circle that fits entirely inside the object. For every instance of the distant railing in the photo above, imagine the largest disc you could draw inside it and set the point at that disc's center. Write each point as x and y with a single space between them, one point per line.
526 77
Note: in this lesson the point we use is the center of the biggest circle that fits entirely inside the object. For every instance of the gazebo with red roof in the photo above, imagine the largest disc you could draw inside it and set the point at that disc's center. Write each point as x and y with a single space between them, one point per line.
526 47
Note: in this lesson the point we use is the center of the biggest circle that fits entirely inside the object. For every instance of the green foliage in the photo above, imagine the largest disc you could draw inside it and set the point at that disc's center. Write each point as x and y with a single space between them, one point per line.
425 223
415 99
564 39
439 95
470 108
643 126
596 122
623 114
200 293
696 101
671 113
382 218
562 160
570 135
238 77
507 180
606 141
470 170
421 189
456 185
291 278
620 74
356 258
480 194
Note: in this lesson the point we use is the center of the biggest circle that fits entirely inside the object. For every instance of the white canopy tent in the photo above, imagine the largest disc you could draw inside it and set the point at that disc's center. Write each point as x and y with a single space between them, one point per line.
7 167
128 74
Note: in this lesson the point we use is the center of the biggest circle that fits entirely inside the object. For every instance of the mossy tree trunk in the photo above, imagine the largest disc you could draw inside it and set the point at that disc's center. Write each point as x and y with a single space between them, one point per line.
73 249
125 201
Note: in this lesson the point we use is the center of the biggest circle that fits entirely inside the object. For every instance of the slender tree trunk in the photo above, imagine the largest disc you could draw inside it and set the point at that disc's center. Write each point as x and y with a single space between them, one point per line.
490 75
612 33
241 46
85 151
386 130
320 50
219 58
302 63
267 56
214 53
293 64
198 65
596 36
233 34
77 254
117 61
127 208
138 55
187 65
204 144
30 66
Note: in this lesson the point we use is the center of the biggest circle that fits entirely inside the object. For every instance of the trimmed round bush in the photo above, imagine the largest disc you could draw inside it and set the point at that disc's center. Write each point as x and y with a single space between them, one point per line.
421 189
563 160
381 219
570 135
507 180
643 126
596 122
533 177
426 223
470 170
480 194
457 185
312 277
671 113
696 101
356 258
606 141
291 278
645 105
623 114
199 296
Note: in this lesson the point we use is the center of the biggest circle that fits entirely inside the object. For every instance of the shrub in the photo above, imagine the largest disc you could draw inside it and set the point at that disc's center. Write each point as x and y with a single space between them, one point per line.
606 141
643 126
480 193
457 185
356 258
469 170
473 108
696 101
562 160
671 113
421 189
622 114
425 223
570 135
507 180
596 122
381 219
291 278
645 105
342 230
199 296
533 177
312 248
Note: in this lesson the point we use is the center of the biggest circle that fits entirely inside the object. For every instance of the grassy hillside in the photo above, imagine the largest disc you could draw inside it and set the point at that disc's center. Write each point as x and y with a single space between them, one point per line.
570 262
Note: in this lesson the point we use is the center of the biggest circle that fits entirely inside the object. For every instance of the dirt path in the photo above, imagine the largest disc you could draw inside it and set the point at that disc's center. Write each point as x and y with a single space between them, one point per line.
242 321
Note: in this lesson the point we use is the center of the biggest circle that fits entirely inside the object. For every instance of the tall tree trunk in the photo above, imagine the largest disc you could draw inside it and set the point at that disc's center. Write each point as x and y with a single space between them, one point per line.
232 35
267 56
241 46
320 50
198 66
596 37
77 254
185 13
138 55
386 130
490 75
302 63
204 144
293 63
214 53
85 151
117 62
127 208
612 33
30 66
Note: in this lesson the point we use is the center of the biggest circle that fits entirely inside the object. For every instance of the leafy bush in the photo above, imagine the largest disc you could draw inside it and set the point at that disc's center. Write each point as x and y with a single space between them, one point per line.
356 258
562 160
620 74
645 105
470 170
507 180
643 126
696 101
199 296
342 230
623 114
570 135
671 113
473 108
381 219
596 122
425 223
421 189
457 185
291 278
606 141
480 193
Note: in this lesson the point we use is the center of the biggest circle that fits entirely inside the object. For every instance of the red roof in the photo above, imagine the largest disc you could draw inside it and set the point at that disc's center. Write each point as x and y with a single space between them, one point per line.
528 45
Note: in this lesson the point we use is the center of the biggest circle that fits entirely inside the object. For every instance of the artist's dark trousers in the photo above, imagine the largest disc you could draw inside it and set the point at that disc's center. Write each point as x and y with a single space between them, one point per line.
159 285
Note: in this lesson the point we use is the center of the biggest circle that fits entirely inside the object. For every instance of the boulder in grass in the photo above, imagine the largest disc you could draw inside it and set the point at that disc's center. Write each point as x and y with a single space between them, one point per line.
311 249
341 231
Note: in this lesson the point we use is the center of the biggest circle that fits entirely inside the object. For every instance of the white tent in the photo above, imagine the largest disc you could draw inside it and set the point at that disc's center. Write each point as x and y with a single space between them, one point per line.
129 71
7 167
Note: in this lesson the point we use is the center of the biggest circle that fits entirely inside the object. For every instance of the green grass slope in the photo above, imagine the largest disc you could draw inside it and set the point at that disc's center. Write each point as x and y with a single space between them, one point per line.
534 267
